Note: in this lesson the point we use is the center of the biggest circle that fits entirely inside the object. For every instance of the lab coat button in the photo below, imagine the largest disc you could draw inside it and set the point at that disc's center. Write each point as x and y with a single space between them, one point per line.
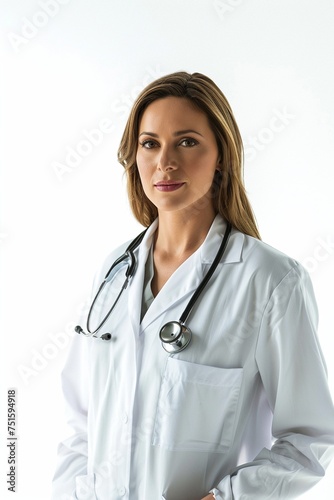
122 491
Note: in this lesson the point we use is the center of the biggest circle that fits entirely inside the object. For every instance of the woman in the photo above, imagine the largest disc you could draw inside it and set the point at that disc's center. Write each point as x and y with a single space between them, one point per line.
238 405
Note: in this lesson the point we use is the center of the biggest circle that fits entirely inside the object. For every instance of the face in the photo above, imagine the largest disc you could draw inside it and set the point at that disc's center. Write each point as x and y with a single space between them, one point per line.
177 155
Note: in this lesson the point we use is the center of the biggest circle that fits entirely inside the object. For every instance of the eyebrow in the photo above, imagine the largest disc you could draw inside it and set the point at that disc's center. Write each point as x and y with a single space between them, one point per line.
176 134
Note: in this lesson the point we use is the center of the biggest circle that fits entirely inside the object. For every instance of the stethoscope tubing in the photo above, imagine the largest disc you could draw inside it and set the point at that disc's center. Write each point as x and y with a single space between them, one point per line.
175 336
184 316
128 254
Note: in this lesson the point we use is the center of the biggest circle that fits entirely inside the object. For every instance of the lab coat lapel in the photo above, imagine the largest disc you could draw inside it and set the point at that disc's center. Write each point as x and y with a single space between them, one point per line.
181 284
186 278
136 285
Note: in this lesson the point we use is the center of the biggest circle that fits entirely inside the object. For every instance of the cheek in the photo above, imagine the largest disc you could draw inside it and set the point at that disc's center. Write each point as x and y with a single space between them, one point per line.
143 164
203 166
144 176
140 166
205 158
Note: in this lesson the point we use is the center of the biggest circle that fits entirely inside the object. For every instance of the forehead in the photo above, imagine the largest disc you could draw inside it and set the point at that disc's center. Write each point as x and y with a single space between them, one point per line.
173 111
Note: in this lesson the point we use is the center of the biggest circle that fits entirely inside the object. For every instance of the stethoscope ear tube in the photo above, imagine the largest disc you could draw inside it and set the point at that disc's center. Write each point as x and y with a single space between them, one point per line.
104 336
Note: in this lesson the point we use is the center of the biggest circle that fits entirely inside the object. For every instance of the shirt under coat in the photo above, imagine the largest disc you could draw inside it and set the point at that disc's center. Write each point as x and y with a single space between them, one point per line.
244 411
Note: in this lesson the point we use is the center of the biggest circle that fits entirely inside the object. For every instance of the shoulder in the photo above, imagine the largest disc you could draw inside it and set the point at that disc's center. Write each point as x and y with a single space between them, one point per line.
269 263
259 251
277 279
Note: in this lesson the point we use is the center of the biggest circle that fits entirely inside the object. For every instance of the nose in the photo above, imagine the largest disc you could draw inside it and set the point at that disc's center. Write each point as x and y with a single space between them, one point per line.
166 160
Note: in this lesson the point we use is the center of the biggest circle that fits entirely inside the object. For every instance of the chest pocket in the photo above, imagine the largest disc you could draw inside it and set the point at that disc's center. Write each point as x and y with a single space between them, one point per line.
197 407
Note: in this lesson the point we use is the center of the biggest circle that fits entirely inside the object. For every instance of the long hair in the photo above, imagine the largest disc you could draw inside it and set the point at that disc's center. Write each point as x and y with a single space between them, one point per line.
228 191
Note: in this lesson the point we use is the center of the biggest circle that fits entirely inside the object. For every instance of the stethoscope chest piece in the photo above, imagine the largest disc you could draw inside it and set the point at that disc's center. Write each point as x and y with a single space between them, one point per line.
174 336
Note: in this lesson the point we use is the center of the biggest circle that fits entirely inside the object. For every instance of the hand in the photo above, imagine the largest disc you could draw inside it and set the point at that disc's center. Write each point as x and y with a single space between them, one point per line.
208 497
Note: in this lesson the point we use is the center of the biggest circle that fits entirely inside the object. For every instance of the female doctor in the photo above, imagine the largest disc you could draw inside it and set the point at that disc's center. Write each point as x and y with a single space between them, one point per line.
180 397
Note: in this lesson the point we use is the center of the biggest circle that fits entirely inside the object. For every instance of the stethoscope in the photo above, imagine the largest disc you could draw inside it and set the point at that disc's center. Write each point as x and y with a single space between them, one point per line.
174 335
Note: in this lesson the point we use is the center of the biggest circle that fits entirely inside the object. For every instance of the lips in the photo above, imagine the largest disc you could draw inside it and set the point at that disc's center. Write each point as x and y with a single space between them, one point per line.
168 185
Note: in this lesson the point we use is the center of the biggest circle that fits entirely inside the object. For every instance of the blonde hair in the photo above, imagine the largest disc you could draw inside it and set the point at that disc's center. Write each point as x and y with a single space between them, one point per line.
228 191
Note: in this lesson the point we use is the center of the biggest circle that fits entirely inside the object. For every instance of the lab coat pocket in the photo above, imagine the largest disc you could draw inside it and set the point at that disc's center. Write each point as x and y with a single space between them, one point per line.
197 407
85 487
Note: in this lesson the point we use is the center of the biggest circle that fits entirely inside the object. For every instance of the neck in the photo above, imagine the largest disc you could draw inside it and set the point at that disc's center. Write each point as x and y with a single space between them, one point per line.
180 233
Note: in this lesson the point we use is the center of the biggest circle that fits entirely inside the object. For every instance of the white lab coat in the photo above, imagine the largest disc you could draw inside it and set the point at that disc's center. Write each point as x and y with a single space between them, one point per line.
244 410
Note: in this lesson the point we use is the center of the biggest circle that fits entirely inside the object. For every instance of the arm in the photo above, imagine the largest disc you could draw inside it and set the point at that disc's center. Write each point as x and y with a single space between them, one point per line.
293 373
71 470
72 452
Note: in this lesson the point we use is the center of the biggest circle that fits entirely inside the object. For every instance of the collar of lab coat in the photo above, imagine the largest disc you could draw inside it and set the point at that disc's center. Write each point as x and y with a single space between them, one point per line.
186 278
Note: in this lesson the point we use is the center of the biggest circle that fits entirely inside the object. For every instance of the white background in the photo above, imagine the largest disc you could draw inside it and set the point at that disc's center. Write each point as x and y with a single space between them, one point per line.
64 73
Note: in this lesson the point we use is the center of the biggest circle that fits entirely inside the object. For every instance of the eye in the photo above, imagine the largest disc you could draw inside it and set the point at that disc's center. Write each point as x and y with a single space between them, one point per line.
188 142
148 144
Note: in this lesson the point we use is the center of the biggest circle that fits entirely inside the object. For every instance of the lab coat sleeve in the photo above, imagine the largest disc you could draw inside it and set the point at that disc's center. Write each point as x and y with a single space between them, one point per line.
294 378
72 452
72 456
